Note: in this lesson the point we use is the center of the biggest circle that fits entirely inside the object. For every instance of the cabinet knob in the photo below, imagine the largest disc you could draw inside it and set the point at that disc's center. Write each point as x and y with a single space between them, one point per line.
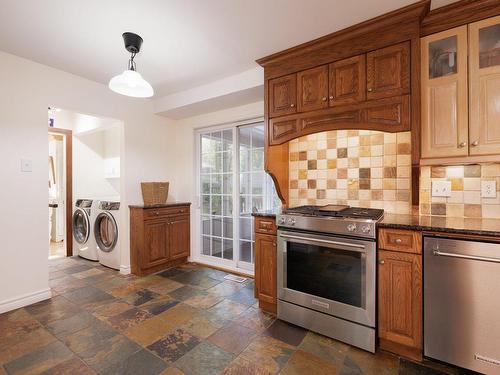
382 262
292 105
324 98
370 89
462 144
475 143
398 240
274 243
331 97
157 212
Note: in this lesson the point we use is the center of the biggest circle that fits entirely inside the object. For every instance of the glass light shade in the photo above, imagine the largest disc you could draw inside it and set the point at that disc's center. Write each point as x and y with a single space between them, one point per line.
131 83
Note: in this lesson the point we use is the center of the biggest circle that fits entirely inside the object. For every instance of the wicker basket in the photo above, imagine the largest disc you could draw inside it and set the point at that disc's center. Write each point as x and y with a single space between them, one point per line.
154 192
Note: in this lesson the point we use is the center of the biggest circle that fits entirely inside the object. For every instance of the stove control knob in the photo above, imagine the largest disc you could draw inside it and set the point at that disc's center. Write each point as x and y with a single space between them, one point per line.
291 221
282 220
351 227
366 229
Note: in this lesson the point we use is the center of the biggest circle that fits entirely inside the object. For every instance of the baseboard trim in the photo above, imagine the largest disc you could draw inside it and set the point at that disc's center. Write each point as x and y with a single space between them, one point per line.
125 270
25 300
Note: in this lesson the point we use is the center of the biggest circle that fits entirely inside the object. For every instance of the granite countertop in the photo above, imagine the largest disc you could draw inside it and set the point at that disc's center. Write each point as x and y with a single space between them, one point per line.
471 226
163 205
269 213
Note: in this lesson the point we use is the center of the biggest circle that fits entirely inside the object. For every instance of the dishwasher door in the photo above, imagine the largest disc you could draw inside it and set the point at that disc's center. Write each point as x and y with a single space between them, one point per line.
462 303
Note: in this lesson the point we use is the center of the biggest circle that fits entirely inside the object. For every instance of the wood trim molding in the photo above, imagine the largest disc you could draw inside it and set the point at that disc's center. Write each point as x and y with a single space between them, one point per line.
458 14
461 160
390 28
68 135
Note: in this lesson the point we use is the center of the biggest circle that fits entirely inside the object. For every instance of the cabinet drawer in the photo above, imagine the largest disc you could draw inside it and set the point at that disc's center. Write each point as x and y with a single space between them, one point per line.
151 213
266 225
406 241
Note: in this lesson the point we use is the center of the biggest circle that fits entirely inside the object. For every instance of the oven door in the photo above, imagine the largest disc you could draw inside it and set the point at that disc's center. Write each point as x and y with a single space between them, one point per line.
333 275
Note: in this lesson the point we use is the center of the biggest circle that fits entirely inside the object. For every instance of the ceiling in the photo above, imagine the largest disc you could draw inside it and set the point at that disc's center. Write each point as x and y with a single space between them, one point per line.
186 42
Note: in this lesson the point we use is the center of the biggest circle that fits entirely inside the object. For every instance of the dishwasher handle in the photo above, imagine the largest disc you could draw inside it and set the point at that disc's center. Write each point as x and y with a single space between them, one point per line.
461 256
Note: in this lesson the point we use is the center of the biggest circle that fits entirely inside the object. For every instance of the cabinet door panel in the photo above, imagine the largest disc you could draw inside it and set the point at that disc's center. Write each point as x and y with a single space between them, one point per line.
484 81
347 81
400 298
444 94
155 243
179 237
388 71
283 95
265 267
313 89
282 130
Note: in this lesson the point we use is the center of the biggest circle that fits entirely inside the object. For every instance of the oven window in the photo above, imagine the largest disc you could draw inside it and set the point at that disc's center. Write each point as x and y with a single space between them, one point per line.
337 275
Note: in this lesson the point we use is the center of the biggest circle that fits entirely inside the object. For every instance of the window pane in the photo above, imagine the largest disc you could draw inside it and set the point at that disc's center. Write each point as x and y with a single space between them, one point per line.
489 46
216 247
258 136
216 205
217 141
443 57
246 228
227 181
258 160
227 161
258 183
205 243
216 184
245 181
227 225
205 184
228 249
227 202
217 226
227 139
205 209
246 251
244 159
205 225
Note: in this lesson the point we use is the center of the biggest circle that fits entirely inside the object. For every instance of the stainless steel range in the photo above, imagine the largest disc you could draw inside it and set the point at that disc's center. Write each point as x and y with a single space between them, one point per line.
326 271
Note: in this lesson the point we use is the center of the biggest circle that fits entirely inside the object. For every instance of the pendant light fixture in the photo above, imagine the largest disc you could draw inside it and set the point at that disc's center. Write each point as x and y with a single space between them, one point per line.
130 82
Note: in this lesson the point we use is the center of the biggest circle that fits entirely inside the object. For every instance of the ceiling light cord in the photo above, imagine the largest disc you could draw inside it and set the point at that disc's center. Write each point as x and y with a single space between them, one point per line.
131 62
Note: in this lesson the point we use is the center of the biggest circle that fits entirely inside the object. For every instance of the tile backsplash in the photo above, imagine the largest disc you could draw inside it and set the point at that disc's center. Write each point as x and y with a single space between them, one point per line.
465 200
357 167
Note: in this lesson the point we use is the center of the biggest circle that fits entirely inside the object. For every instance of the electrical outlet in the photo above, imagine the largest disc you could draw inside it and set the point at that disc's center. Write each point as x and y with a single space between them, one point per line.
488 189
441 188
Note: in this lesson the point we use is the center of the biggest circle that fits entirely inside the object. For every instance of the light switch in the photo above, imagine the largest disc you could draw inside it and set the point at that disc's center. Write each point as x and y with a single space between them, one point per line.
26 165
488 189
441 188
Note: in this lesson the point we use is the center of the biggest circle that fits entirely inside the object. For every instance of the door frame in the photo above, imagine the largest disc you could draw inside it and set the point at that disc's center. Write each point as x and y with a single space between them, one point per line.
68 142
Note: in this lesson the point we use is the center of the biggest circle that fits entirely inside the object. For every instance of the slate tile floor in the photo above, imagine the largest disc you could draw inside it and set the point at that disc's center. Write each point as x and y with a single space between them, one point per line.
186 320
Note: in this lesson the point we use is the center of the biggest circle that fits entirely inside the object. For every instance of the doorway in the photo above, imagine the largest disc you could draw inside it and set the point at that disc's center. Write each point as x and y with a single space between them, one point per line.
60 192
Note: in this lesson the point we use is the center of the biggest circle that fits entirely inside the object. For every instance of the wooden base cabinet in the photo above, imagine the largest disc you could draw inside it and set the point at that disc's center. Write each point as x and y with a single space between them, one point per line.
159 237
265 263
400 293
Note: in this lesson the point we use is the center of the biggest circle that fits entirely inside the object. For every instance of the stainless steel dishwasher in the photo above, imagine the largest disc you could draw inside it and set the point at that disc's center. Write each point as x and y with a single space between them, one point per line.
462 303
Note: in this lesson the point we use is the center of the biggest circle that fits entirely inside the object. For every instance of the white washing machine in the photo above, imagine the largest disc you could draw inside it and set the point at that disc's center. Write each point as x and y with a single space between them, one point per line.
84 243
106 233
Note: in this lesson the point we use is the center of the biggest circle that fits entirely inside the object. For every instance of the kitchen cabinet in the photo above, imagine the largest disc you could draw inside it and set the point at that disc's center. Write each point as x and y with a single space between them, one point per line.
283 95
400 292
159 237
312 89
444 117
266 263
484 86
347 81
388 71
460 89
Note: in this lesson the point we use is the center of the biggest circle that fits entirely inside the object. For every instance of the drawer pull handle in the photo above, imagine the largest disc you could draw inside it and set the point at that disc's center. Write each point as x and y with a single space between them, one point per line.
292 105
381 262
324 98
398 240
331 97
370 89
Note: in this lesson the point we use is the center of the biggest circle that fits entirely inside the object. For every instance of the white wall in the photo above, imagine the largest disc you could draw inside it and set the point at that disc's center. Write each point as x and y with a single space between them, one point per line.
27 89
183 186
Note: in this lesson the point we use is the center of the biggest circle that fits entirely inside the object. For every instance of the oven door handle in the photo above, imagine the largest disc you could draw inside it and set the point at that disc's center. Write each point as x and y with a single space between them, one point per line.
323 241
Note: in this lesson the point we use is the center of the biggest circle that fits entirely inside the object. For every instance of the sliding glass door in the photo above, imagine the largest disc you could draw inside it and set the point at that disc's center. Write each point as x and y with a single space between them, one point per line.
233 184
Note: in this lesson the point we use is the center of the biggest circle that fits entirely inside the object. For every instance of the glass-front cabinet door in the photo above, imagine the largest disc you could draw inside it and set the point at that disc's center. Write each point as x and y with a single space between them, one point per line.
444 94
484 81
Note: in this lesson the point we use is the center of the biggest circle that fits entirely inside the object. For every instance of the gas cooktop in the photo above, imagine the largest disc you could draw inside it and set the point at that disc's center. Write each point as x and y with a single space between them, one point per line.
340 211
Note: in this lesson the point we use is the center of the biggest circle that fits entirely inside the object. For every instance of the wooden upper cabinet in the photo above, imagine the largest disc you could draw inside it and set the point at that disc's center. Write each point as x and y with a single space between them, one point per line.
388 71
444 94
312 89
179 237
484 81
347 80
283 95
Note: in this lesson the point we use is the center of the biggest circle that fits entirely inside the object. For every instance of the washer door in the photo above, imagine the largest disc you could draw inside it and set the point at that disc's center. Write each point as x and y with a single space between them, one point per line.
81 226
106 231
